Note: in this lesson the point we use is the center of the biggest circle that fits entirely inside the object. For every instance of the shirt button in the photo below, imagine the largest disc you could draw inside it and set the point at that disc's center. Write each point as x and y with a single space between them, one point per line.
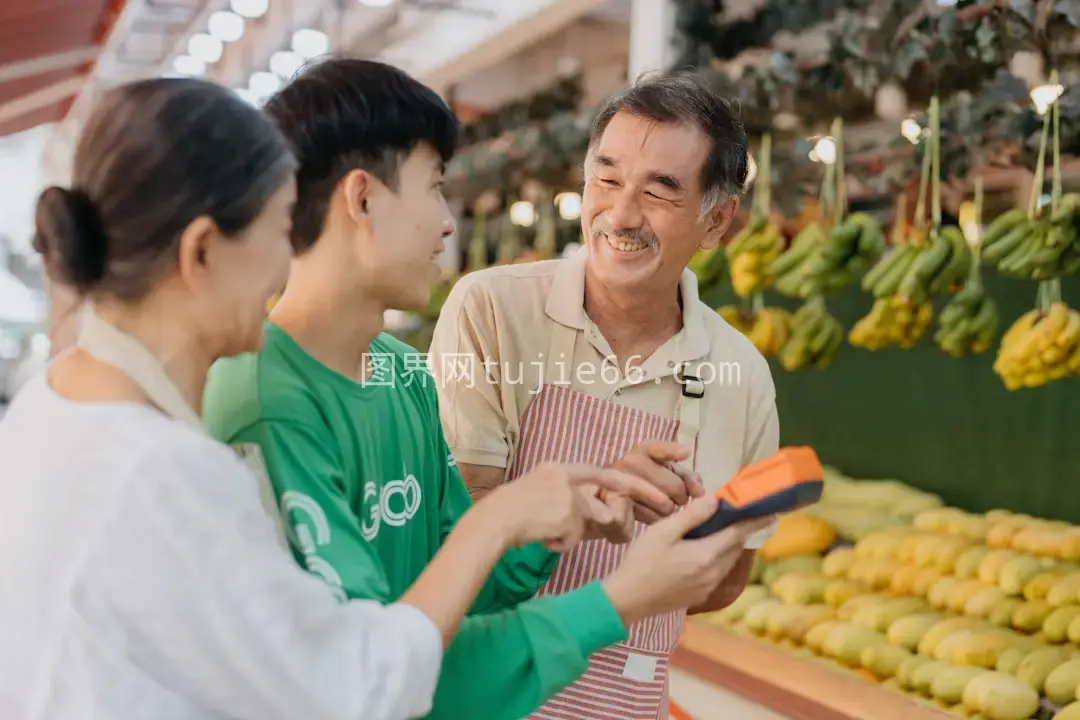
618 392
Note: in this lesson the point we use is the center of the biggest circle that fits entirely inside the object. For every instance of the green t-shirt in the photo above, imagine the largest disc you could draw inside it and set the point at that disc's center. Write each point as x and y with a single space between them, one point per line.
369 491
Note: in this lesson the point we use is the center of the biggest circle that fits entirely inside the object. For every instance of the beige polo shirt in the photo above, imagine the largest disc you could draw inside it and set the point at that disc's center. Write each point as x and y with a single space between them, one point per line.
496 327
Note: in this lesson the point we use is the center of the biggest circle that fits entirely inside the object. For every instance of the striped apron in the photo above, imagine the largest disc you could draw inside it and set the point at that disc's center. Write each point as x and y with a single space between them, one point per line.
627 681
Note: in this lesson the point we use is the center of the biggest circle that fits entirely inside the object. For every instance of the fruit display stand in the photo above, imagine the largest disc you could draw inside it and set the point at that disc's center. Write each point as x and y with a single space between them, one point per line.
880 601
793 687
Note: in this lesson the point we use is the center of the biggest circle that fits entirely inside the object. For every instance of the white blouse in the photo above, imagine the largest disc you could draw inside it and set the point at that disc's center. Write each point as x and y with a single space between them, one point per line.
140 579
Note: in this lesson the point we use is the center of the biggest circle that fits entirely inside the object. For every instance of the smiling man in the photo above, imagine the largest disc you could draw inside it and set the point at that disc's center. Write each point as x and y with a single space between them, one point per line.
635 371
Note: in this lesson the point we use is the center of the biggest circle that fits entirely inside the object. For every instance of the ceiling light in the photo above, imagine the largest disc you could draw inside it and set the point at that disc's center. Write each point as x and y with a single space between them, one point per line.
285 63
189 66
264 84
247 96
377 3
250 8
205 47
310 44
911 130
226 26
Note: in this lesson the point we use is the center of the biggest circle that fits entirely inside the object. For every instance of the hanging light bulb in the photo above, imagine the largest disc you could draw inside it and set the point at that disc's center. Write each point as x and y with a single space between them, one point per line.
569 204
824 151
377 3
226 26
250 8
523 213
247 96
205 47
263 84
285 63
1043 96
189 66
911 130
309 43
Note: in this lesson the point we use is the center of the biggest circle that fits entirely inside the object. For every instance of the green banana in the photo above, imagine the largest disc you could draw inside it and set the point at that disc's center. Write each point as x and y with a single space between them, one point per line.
889 281
1007 244
1001 226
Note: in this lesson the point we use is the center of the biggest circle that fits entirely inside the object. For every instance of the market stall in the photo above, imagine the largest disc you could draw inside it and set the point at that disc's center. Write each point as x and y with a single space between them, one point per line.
907 261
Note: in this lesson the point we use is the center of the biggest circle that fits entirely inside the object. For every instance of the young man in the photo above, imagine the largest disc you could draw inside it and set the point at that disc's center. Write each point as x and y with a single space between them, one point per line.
346 418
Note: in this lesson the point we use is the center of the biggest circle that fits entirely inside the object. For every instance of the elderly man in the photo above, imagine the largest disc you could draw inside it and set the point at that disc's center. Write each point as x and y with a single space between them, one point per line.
609 357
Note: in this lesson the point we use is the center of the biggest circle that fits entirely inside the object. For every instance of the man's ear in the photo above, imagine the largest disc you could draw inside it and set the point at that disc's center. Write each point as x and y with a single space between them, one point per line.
355 188
718 221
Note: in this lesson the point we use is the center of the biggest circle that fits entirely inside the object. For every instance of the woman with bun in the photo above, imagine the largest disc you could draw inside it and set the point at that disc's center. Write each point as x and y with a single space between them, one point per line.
144 576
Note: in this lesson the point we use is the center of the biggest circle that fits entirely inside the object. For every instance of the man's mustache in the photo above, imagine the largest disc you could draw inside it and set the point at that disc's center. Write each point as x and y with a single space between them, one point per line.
601 225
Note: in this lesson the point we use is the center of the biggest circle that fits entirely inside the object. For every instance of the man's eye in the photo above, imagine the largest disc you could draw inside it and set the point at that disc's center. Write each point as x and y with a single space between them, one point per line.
608 181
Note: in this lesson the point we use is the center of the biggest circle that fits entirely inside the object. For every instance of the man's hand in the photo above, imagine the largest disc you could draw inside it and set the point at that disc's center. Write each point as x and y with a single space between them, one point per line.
620 528
657 463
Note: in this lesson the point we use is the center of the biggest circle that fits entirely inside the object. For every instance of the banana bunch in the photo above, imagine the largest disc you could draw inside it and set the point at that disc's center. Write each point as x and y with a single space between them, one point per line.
789 270
815 338
920 271
1036 249
1040 347
751 252
816 264
892 321
710 266
769 329
968 323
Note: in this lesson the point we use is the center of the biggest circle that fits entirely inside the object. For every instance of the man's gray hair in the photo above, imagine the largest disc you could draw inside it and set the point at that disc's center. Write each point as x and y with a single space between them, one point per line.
683 98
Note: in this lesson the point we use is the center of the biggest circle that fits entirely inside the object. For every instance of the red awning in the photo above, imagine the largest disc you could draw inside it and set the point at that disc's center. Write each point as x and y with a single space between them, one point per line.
47 48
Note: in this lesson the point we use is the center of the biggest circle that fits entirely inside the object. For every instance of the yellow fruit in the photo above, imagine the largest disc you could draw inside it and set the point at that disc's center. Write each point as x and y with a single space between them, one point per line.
798 534
1069 712
1038 664
778 619
852 606
983 650
803 564
924 675
924 580
981 603
808 618
909 630
967 565
884 660
1009 660
1056 626
906 672
838 562
1017 572
903 580
1039 586
816 635
881 616
757 617
1000 535
991 565
963 591
1065 591
846 643
838 592
798 589
1002 613
948 685
1006 698
1030 616
952 644
938 596
1061 683
930 639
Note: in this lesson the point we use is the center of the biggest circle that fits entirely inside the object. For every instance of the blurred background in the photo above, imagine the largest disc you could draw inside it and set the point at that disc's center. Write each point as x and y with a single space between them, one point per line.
906 257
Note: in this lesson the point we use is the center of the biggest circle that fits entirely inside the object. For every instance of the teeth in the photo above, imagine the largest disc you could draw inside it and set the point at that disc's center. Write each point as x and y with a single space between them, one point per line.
627 246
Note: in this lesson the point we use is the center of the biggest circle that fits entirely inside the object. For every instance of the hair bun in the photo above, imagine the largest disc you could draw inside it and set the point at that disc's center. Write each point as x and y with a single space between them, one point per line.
71 237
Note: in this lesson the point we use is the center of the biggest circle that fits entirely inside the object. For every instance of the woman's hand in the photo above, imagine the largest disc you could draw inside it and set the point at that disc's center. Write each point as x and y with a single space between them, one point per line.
560 505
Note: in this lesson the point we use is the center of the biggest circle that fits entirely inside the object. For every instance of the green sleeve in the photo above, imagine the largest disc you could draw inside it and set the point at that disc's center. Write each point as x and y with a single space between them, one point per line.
505 665
518 575
325 534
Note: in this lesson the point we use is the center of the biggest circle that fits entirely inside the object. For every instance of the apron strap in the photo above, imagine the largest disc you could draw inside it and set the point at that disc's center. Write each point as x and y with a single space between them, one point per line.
108 344
689 406
559 363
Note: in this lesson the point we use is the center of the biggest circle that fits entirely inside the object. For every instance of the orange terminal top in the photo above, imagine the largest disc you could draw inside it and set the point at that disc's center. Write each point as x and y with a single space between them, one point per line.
780 471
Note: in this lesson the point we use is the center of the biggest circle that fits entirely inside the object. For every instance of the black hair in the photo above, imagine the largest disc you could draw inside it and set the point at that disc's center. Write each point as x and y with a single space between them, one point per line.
344 114
686 98
154 156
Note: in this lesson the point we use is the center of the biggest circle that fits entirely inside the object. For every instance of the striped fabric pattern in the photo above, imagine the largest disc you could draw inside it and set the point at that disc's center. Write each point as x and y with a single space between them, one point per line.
563 425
